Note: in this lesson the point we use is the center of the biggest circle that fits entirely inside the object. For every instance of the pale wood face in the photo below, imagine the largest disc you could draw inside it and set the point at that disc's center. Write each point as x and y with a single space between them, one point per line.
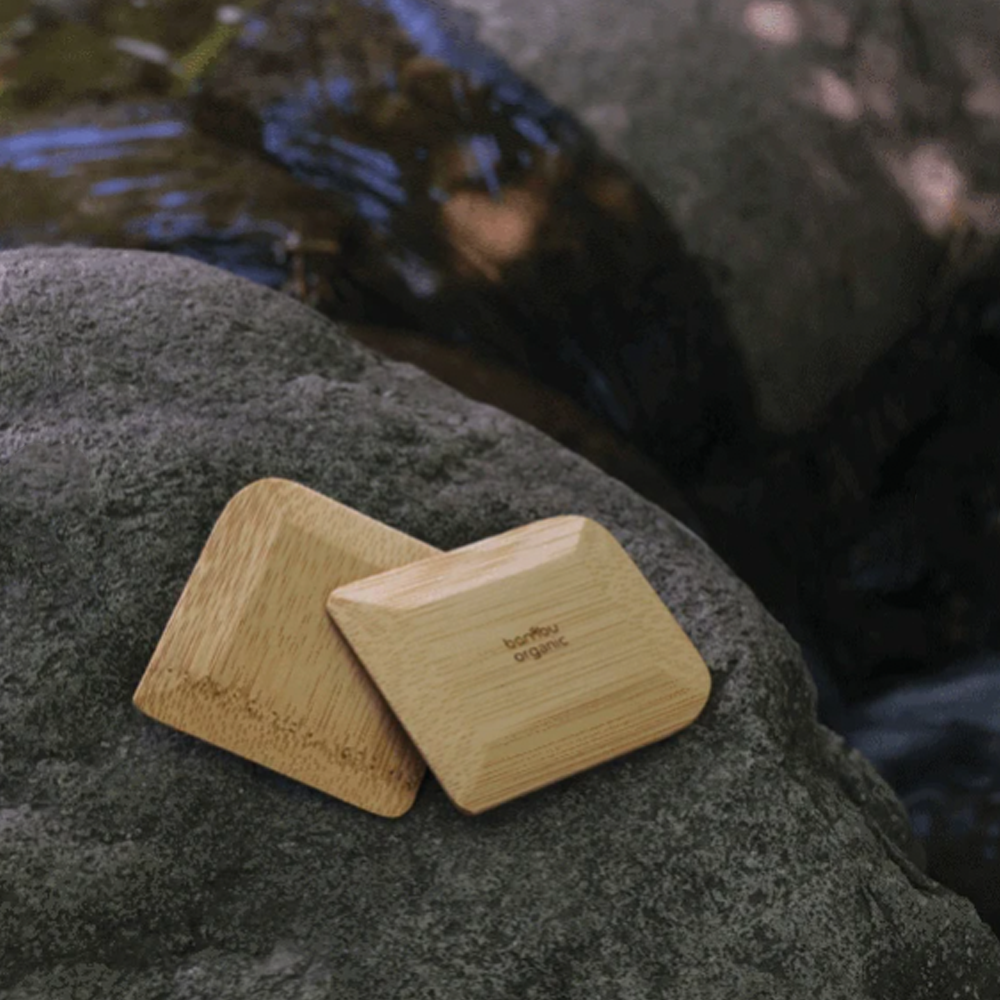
250 661
498 710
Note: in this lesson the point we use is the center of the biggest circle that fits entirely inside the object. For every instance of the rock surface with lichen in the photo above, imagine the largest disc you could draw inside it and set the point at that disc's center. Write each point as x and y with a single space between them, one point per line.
751 856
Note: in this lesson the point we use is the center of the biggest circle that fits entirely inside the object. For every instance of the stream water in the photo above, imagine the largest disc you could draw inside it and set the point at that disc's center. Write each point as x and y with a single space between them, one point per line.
354 154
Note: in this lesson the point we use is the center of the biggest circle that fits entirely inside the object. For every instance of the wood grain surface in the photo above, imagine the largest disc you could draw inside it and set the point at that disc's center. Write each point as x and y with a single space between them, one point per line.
251 662
522 659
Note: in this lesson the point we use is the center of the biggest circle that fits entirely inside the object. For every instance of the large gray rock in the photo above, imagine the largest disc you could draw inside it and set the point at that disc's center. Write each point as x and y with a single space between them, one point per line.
822 151
752 856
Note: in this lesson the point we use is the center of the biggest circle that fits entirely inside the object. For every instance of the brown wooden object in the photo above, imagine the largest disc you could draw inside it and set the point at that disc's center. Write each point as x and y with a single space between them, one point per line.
522 659
250 661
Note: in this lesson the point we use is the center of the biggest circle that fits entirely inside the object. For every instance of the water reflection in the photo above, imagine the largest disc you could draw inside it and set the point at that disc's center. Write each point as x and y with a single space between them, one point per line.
55 150
938 743
496 209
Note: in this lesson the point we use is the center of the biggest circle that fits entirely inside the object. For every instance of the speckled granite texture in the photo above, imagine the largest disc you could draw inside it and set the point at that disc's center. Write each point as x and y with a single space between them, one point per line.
751 857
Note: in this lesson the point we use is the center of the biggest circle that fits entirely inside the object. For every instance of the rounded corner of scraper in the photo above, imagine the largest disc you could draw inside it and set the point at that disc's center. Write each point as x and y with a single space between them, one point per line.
143 702
462 804
700 686
590 526
591 531
271 494
580 521
708 684
335 601
269 484
242 496
579 529
137 699
400 810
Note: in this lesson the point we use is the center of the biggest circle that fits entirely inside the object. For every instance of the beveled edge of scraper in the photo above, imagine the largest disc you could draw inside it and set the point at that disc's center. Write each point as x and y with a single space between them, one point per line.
145 696
422 585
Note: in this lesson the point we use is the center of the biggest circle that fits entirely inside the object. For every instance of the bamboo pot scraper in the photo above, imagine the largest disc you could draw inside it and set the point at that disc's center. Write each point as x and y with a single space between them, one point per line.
250 661
522 659
511 663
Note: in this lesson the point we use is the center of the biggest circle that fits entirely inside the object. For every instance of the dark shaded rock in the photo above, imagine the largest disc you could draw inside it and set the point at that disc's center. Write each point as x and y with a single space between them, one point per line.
821 151
751 856
877 532
912 546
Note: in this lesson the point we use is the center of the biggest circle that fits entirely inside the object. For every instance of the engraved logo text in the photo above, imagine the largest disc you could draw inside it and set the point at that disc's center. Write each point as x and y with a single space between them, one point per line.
536 643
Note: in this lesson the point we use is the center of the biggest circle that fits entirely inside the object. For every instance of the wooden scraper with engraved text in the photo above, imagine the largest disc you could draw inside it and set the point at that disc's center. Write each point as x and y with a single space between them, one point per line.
522 659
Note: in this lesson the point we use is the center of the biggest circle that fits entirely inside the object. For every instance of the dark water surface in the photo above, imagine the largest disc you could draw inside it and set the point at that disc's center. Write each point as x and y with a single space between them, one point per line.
380 165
